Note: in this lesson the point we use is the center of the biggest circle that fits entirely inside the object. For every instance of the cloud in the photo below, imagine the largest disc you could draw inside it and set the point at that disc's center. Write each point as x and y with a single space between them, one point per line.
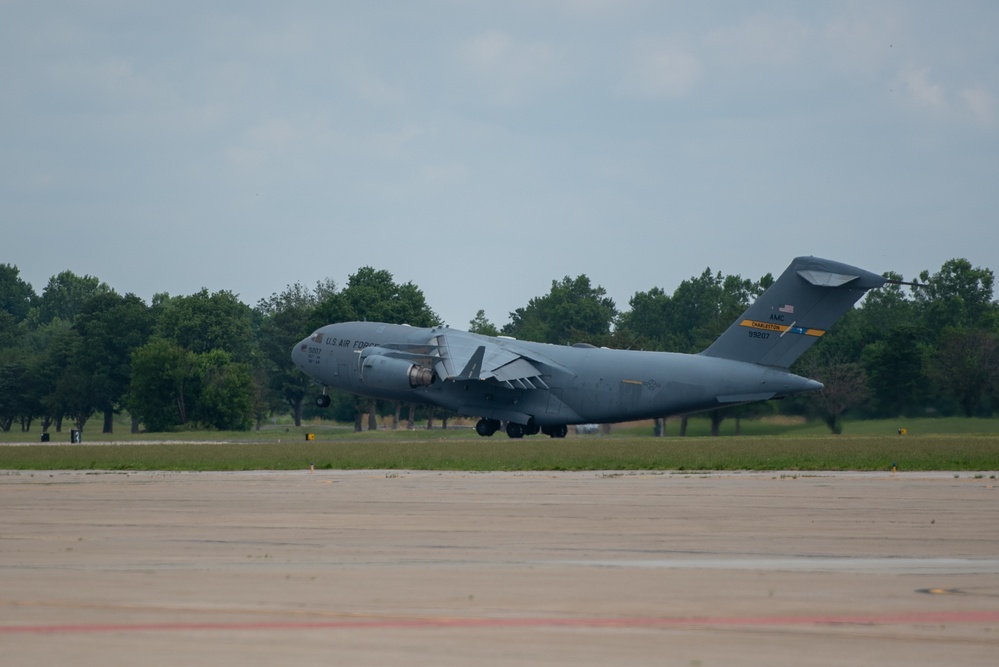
463 117
393 142
375 90
981 103
922 91
261 143
106 84
508 68
661 68
443 174
592 9
272 40
277 140
862 40
760 40
976 103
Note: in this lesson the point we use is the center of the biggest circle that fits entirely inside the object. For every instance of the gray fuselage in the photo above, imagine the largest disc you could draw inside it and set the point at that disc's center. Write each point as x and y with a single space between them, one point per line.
574 385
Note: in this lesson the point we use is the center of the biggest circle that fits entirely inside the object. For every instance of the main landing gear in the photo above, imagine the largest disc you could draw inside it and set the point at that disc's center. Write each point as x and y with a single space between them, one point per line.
555 431
486 427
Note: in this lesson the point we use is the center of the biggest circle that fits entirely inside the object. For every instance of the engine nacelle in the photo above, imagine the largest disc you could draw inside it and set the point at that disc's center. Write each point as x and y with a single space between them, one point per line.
391 374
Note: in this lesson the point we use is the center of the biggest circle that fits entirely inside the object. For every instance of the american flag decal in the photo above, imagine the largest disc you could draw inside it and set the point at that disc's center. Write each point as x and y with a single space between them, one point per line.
786 308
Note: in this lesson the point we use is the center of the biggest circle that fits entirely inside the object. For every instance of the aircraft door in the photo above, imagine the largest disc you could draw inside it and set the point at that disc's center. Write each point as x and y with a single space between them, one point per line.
629 395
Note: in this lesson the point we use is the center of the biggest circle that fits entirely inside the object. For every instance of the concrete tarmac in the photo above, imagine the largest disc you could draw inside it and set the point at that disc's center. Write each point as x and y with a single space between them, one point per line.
426 568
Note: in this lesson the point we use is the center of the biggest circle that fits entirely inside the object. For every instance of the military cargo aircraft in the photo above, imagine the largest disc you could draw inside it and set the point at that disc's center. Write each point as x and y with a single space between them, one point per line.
539 387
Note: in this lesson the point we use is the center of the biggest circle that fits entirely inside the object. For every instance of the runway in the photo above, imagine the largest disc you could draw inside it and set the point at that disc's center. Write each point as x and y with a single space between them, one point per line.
394 567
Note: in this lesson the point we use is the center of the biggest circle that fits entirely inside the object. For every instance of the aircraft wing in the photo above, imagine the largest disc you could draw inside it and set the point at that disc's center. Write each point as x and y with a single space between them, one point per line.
462 358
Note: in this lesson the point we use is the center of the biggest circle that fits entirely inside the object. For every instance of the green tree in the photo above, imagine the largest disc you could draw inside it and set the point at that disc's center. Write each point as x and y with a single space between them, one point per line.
573 311
225 392
958 296
646 323
703 307
46 351
374 296
14 380
885 308
965 366
480 325
690 319
16 296
110 327
72 393
204 322
64 384
266 401
65 294
894 367
286 318
844 386
162 377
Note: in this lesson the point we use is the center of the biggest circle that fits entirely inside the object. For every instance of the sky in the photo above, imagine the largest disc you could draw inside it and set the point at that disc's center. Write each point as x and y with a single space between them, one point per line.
482 150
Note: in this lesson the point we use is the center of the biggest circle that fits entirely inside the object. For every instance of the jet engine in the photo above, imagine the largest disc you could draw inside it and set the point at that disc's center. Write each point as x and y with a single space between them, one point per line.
379 371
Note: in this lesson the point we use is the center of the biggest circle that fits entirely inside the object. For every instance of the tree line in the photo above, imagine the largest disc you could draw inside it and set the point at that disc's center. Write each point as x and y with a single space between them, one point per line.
207 360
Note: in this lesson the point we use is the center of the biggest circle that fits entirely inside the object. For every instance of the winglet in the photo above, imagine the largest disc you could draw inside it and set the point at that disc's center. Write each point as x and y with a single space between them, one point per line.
474 365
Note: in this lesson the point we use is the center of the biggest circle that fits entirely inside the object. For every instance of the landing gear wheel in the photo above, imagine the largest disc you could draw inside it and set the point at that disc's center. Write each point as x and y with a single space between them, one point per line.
531 428
555 431
322 401
515 430
486 427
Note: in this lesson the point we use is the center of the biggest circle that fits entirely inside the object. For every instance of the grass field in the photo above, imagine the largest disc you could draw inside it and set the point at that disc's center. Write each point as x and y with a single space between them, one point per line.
931 444
463 430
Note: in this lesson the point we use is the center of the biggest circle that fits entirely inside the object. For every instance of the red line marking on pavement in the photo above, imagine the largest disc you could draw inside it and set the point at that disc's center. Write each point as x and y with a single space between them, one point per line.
972 617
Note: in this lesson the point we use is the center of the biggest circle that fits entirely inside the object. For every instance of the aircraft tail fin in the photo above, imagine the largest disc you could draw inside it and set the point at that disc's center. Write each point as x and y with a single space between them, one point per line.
794 312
